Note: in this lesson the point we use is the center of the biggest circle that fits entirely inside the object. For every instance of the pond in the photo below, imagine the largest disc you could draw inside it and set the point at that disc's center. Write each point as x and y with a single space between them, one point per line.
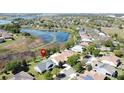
48 36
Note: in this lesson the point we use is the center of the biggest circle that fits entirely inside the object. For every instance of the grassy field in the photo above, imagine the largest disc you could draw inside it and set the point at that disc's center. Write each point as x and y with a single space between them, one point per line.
32 64
112 31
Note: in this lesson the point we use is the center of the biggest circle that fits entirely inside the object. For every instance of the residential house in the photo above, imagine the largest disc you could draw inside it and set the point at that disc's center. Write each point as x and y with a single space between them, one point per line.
86 38
82 31
77 48
96 31
111 60
91 75
68 72
2 39
44 66
115 43
7 35
84 44
22 76
105 69
91 60
101 34
61 57
103 48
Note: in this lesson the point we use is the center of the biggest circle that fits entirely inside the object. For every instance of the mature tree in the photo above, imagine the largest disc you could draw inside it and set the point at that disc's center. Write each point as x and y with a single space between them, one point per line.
89 67
120 26
118 53
108 43
83 62
107 78
4 77
47 52
90 49
73 60
55 71
48 75
78 67
116 35
13 28
16 66
117 47
9 66
69 44
112 48
26 34
120 77
96 52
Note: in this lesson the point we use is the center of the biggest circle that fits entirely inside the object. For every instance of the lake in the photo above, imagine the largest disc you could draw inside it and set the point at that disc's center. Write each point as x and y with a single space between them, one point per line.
3 22
47 36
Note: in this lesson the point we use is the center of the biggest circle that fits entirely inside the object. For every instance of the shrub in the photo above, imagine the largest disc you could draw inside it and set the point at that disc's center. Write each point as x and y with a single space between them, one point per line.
118 53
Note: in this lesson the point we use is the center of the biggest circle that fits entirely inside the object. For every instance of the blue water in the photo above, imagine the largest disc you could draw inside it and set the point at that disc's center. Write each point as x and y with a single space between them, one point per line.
23 17
3 22
47 36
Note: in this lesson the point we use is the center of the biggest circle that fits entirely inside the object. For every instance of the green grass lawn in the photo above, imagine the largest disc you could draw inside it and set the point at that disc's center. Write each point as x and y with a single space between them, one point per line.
32 64
8 76
32 71
112 31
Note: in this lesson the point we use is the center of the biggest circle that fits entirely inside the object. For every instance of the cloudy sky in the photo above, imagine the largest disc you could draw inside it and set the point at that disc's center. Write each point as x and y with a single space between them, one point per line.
62 6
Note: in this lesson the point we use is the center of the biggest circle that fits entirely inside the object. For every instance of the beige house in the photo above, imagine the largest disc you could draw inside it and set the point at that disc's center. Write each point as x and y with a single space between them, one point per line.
91 75
61 57
111 60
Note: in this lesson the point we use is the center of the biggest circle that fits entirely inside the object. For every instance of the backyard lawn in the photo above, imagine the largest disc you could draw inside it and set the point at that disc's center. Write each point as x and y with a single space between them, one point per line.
32 64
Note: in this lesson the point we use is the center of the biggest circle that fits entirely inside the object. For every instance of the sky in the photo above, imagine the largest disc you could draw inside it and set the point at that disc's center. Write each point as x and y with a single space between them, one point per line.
62 6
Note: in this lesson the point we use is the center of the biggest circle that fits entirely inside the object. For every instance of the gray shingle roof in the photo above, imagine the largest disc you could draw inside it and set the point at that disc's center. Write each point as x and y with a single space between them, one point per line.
22 76
45 65
106 67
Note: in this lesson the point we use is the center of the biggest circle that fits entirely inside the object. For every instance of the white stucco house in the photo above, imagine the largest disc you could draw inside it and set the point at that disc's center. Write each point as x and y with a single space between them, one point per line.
77 48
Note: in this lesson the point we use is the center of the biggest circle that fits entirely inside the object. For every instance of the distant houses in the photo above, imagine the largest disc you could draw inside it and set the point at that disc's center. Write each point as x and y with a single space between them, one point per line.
86 38
84 44
103 48
5 35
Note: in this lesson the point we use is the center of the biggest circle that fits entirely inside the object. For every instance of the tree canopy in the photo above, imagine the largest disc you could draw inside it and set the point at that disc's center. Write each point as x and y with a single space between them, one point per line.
48 75
16 66
89 67
78 67
13 28
55 71
73 60
118 53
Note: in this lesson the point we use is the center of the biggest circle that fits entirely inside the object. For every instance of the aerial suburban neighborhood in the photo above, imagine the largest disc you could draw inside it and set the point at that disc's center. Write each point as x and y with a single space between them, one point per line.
76 47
